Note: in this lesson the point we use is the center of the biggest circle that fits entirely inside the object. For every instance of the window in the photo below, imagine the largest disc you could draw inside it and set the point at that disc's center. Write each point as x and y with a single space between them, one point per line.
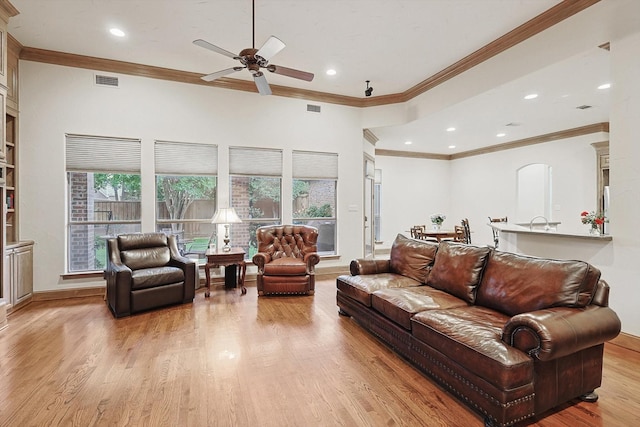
103 195
315 178
256 188
186 183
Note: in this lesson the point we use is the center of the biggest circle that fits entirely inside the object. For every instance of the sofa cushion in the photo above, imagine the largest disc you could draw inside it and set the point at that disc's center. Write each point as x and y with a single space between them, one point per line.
458 269
515 284
285 266
412 258
400 304
157 276
472 336
360 288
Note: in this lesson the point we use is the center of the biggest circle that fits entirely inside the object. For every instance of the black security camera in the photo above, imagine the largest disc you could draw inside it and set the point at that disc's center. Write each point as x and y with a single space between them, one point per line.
369 90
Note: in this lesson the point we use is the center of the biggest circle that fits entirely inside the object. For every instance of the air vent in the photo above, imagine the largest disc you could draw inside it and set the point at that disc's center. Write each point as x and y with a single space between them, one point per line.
513 124
106 81
313 108
584 107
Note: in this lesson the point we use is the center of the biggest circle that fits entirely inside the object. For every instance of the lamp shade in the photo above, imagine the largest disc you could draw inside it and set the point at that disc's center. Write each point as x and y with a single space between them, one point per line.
225 216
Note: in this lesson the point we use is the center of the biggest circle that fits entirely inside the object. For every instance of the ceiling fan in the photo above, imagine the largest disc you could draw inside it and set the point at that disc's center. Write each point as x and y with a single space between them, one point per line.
254 59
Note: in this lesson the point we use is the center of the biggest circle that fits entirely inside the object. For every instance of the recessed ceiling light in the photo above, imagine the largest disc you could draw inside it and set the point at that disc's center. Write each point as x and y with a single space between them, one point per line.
452 146
117 32
501 134
451 129
531 96
331 72
605 86
408 143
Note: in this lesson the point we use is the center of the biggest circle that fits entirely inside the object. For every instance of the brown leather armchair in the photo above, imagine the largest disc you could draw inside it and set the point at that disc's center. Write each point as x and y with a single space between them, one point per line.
144 271
286 259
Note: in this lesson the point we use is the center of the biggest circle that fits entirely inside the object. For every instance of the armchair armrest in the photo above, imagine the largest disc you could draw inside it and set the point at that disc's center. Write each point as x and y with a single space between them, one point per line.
311 259
369 266
260 259
555 332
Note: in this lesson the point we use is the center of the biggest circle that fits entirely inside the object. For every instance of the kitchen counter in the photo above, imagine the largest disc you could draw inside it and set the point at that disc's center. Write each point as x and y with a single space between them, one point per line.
520 229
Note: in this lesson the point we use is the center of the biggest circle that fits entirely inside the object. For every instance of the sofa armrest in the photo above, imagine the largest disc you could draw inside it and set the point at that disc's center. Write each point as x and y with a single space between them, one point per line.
556 332
369 266
260 259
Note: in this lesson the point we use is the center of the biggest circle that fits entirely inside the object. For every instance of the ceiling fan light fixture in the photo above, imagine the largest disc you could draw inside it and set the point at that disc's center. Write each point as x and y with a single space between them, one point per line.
254 59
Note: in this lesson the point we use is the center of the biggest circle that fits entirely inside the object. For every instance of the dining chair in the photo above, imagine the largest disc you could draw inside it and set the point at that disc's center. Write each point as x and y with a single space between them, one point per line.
460 234
496 232
467 231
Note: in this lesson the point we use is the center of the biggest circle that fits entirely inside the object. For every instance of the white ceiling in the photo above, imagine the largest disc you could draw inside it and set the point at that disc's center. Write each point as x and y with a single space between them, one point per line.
395 44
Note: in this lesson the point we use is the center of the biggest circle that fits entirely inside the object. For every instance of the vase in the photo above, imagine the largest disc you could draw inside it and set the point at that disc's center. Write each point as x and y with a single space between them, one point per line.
594 230
436 226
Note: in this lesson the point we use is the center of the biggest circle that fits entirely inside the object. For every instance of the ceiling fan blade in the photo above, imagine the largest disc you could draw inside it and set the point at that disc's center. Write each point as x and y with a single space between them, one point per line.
270 48
261 83
211 77
290 72
214 48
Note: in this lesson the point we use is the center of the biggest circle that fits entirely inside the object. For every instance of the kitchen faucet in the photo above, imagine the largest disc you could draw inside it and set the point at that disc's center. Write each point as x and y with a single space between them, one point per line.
546 227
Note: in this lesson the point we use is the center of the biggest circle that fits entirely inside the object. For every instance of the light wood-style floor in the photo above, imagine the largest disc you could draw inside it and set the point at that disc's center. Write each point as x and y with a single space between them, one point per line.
236 360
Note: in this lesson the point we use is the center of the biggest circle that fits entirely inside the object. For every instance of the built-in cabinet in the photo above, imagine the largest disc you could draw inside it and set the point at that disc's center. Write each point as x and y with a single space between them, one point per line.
17 264
18 272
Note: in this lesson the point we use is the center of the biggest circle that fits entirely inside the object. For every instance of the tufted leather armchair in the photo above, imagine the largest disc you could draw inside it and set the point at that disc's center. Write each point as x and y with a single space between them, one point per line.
286 259
144 271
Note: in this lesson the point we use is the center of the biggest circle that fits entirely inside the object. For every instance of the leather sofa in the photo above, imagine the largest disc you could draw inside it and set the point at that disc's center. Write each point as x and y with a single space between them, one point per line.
512 336
145 271
286 259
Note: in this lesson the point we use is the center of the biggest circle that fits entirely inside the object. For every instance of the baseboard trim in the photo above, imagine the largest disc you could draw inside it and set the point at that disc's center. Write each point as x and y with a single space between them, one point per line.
325 273
3 315
628 341
68 293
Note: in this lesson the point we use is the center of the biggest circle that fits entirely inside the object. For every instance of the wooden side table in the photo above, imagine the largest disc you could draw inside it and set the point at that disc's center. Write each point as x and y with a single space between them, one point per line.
219 258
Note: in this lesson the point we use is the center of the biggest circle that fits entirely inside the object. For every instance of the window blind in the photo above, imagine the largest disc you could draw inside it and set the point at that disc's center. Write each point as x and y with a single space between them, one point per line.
94 153
184 158
315 165
255 161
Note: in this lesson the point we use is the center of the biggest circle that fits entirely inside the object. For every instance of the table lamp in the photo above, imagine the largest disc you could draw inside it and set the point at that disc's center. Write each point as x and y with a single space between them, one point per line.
226 216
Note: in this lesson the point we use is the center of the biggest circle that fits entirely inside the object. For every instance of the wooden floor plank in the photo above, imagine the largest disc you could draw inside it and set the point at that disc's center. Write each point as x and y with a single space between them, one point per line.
233 360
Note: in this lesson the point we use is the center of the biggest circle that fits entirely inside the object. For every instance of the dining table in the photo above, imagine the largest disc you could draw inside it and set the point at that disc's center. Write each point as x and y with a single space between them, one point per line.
438 234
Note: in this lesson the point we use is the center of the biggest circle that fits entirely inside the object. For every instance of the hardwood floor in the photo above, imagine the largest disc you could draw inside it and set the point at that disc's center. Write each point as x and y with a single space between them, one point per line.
236 360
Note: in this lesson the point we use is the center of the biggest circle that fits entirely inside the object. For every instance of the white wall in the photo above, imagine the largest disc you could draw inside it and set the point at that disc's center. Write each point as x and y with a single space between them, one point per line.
486 185
412 190
55 100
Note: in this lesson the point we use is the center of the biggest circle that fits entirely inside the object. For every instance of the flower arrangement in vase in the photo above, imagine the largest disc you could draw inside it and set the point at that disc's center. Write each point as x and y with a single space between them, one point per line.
595 220
437 219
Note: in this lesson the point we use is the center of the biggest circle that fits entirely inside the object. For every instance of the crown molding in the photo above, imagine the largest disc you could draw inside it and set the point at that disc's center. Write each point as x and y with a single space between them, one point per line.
140 70
411 154
370 136
7 10
553 136
545 20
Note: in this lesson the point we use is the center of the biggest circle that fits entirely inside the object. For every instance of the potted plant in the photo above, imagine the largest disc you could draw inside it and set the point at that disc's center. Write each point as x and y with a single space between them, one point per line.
595 220
437 219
